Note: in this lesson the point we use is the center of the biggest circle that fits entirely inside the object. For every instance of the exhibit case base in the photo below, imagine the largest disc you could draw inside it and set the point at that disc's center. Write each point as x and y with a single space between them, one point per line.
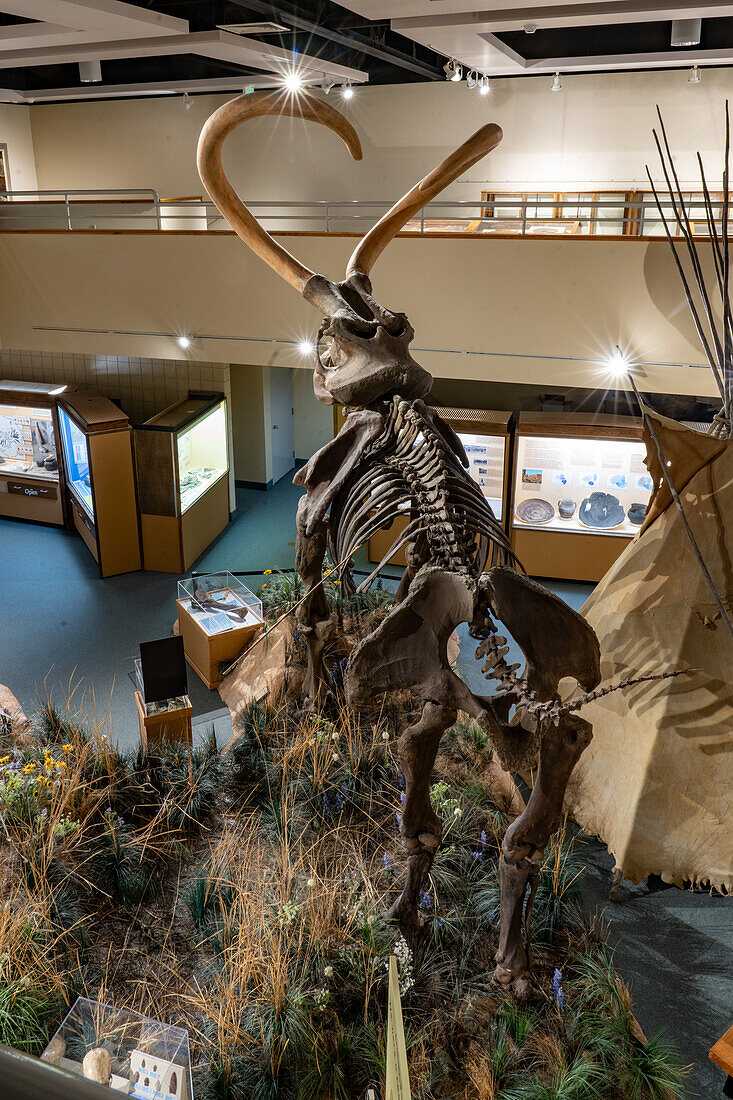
172 724
217 618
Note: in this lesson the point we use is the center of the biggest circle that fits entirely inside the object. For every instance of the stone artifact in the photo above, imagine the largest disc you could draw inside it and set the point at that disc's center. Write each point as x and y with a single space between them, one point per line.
566 508
535 510
395 450
97 1065
656 783
601 510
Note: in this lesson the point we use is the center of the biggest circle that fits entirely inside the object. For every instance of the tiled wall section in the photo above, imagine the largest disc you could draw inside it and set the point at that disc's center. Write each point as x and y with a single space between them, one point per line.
142 387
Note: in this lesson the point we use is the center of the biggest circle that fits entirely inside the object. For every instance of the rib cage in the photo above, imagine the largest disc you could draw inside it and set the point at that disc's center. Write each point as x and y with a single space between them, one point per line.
412 469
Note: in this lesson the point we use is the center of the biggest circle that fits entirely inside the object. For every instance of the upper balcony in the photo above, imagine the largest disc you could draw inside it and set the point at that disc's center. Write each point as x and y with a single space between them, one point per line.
620 214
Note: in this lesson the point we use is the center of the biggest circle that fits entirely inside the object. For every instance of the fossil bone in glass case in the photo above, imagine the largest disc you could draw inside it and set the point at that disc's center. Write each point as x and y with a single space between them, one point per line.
142 1058
217 617
182 457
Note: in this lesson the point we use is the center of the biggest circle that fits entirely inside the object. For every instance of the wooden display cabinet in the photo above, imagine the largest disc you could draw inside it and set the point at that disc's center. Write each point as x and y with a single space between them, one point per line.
31 470
576 480
96 444
182 458
166 725
486 436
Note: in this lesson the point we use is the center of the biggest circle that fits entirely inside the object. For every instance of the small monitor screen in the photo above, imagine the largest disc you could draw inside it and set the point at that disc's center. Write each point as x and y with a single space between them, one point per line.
164 669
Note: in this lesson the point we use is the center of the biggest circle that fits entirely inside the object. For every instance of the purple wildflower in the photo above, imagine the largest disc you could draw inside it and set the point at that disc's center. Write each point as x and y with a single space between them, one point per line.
387 861
479 857
426 902
557 989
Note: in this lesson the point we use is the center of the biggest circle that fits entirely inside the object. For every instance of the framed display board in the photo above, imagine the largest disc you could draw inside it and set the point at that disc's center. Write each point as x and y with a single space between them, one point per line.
579 492
486 438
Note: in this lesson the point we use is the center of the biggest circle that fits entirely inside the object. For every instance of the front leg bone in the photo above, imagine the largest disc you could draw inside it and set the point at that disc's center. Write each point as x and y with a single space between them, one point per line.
314 615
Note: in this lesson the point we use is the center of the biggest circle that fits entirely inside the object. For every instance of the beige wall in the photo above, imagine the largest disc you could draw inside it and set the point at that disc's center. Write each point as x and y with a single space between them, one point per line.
598 129
533 311
15 132
250 386
313 421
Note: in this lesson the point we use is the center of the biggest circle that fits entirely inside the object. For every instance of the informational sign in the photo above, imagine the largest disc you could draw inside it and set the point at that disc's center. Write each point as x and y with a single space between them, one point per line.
398 1081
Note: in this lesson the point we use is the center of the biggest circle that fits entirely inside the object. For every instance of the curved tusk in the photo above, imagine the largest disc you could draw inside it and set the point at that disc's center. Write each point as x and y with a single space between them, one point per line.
226 199
376 240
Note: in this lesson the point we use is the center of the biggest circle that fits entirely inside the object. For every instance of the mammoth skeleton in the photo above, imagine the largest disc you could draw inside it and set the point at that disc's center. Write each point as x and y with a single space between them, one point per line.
396 457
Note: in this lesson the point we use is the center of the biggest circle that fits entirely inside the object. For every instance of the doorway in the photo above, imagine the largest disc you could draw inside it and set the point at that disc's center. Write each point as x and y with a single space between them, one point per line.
282 422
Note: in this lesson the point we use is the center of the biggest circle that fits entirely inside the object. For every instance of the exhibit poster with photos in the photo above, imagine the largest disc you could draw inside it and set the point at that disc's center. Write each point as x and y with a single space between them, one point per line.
581 485
27 442
485 454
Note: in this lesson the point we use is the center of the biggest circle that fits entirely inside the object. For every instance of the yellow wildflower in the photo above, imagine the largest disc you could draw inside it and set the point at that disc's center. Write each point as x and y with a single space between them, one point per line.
31 767
264 586
4 759
267 572
60 763
67 748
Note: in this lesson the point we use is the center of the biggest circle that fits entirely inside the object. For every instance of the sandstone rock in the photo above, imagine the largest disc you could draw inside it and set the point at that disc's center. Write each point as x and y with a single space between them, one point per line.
21 727
262 672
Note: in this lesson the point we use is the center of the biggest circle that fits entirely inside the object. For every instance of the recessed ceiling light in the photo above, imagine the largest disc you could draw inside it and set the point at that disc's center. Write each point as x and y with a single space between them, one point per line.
306 347
184 341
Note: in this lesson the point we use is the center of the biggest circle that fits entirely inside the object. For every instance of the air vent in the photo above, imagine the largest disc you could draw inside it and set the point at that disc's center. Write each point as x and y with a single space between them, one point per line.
251 28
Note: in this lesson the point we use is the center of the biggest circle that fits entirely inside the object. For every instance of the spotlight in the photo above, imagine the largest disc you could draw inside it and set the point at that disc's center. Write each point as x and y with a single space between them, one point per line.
556 83
483 85
306 347
184 341
453 71
618 364
694 77
472 79
327 83
293 82
90 72
187 101
529 28
347 91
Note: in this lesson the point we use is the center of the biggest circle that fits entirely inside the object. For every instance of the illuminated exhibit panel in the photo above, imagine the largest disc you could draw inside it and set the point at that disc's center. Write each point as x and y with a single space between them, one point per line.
30 475
76 459
202 455
581 485
485 454
579 492
96 440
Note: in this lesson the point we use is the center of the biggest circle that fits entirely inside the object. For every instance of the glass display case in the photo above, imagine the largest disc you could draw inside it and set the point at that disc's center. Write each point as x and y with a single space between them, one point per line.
580 492
30 478
486 438
76 455
128 1053
96 445
182 457
202 455
218 616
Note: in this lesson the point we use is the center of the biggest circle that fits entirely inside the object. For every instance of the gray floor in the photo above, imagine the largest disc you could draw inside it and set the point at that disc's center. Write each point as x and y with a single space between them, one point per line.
62 625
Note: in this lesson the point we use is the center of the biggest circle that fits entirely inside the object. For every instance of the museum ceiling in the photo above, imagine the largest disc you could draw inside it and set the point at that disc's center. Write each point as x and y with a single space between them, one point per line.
153 47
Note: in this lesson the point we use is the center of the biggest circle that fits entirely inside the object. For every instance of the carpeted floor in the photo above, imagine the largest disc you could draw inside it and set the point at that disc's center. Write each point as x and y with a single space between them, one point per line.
64 626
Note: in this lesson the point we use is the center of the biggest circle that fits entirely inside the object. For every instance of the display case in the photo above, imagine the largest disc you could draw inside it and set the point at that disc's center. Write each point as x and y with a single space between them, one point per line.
96 444
182 457
580 492
217 618
140 1057
31 482
486 438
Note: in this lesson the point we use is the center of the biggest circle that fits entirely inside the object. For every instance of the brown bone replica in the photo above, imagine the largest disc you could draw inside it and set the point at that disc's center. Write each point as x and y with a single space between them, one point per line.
395 456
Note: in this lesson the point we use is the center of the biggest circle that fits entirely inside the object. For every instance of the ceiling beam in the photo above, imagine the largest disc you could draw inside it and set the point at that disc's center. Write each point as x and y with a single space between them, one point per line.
110 18
562 15
247 52
224 84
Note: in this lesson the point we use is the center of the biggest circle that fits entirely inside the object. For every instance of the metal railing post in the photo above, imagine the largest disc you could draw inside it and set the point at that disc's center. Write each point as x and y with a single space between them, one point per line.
68 211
